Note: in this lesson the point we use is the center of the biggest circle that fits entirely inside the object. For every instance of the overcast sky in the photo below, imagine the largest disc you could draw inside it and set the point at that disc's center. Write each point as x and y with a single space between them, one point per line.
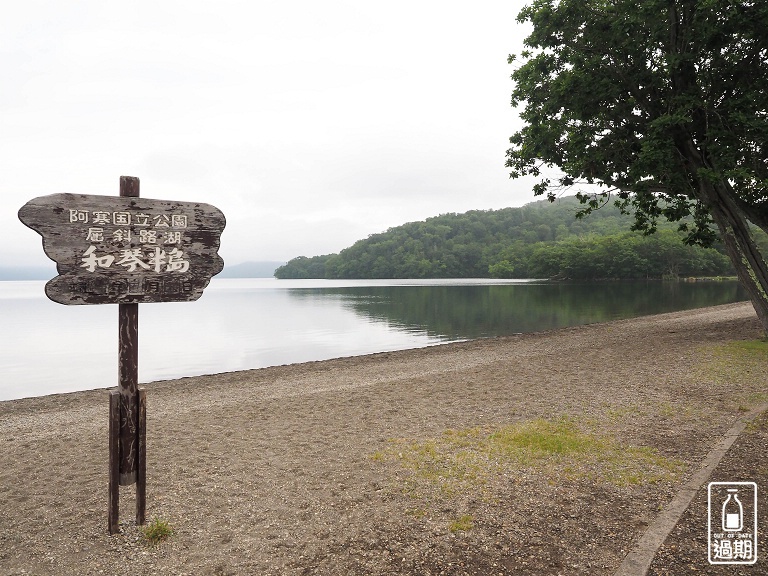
309 123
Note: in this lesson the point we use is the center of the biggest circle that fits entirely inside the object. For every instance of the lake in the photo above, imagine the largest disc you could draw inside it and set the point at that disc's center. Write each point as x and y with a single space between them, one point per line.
238 324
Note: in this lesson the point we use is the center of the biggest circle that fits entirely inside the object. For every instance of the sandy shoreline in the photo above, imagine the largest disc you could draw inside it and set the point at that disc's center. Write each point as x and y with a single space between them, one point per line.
269 471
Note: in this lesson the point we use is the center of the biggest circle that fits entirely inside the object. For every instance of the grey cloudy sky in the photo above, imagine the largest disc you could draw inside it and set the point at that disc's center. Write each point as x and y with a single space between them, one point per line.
309 123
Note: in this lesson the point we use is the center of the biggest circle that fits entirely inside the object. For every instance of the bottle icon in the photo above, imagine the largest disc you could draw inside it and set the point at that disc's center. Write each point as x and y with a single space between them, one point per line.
733 512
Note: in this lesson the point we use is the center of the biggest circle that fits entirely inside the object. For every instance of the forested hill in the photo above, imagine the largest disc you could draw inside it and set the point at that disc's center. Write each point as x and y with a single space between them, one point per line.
539 240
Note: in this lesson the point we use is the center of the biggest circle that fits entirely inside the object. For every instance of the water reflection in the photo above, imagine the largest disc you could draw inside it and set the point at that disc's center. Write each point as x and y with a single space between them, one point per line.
474 311
240 324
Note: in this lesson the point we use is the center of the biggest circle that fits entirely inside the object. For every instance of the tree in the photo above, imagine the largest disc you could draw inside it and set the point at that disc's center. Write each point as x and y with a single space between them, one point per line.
661 105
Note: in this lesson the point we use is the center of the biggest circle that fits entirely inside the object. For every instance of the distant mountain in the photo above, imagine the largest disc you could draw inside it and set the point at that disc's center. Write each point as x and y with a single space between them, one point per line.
538 240
250 270
27 273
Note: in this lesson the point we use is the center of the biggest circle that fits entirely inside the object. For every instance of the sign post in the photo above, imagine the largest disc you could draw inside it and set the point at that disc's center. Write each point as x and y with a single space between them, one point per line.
126 250
128 381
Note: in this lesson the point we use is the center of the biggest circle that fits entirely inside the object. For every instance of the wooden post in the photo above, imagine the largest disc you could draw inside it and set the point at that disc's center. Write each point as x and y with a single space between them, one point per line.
131 449
113 512
128 369
127 386
141 470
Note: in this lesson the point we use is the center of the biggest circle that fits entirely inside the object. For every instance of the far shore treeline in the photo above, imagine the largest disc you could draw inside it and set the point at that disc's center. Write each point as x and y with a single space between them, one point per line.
539 240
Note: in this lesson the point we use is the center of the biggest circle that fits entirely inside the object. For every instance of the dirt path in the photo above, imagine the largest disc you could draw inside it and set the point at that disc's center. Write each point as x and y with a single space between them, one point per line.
345 466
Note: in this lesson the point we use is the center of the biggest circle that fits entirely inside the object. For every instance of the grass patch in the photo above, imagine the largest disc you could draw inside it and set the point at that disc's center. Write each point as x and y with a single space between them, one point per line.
540 438
157 531
749 346
461 524
661 409
417 512
465 460
745 353
620 413
739 368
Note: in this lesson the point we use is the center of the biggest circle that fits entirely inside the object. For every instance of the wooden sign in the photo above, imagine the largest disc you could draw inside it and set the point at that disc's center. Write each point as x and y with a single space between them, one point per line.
126 250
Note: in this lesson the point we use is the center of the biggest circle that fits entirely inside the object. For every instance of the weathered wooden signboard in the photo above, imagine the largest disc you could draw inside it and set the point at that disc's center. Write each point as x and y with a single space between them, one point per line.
126 250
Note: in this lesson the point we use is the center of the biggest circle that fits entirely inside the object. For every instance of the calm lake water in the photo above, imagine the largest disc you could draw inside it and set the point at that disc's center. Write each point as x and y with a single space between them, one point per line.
238 324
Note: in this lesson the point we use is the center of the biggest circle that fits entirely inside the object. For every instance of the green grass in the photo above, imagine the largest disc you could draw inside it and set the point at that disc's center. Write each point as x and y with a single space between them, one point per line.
540 438
739 369
618 413
157 531
417 512
464 460
744 353
461 524
749 346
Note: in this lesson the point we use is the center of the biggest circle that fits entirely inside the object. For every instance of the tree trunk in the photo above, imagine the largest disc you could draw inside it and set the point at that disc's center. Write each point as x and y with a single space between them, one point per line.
731 222
746 258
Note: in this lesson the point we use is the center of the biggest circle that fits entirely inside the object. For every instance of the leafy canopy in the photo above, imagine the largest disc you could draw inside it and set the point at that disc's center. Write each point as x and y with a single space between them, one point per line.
611 91
540 240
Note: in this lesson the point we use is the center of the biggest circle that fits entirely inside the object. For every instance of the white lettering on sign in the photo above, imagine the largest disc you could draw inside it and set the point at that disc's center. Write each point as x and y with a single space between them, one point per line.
121 218
175 261
100 217
80 216
91 261
157 259
148 236
121 235
133 259
119 228
172 238
95 235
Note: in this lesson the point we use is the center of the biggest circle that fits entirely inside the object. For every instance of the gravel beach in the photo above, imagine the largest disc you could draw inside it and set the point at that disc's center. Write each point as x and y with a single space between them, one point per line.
411 462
